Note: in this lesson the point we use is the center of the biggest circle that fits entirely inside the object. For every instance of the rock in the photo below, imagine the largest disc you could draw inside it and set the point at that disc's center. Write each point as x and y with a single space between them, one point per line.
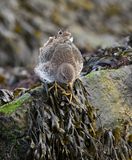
43 119
111 94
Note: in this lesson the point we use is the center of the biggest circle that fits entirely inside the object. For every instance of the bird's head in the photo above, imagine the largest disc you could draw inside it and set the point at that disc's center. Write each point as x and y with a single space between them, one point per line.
66 73
65 36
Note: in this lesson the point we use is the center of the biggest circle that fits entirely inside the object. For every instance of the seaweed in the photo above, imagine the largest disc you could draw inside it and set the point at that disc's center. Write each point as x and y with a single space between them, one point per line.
60 129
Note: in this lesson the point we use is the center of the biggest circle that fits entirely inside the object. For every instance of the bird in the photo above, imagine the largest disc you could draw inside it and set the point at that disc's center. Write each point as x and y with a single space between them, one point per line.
59 60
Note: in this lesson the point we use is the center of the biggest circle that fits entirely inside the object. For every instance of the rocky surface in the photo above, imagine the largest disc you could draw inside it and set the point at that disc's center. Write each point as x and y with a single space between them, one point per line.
28 117
111 93
98 123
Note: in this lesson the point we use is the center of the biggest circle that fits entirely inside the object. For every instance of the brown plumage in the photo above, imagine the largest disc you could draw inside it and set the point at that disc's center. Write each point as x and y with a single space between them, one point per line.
59 59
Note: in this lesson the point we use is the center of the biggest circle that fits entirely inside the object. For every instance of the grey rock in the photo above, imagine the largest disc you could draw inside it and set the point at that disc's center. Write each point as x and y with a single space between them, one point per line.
111 93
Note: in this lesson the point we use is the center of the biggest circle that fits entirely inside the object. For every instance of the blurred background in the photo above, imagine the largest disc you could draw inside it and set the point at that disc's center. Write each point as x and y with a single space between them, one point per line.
26 24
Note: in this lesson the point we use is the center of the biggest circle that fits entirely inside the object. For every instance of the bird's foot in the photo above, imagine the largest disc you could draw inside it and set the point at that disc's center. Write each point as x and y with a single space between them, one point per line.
70 96
68 93
56 86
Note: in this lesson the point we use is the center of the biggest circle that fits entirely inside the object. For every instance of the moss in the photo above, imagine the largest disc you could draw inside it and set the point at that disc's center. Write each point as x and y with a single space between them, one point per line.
94 74
84 4
113 10
12 106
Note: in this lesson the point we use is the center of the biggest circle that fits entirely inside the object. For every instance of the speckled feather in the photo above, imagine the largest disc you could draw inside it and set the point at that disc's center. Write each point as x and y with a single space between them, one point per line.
59 58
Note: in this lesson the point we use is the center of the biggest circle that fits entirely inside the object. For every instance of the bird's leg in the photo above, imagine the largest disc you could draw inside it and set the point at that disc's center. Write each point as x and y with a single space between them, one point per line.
70 92
72 96
56 86
51 87
62 89
66 93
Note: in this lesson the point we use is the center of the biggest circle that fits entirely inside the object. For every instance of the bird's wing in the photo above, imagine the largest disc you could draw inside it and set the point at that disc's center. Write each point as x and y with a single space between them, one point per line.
78 58
77 54
46 53
63 54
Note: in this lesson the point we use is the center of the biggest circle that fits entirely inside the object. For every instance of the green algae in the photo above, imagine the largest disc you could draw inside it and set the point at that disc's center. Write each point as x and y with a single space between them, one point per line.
12 106
95 74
